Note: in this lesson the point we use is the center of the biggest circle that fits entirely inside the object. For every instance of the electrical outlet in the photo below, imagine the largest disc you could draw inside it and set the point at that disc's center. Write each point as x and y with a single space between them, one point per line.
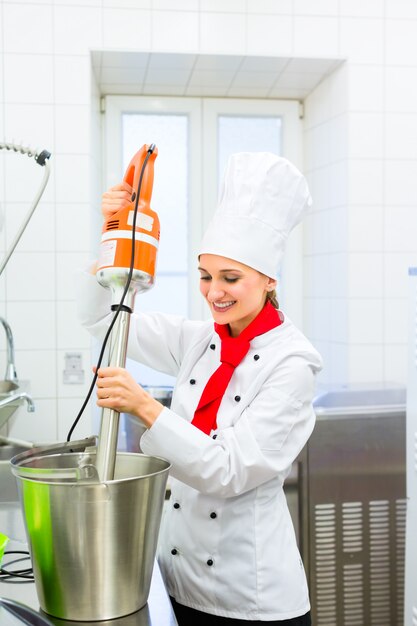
73 372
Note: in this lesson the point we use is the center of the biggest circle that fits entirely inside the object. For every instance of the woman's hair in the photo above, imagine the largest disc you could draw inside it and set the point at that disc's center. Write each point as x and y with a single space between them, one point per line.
271 297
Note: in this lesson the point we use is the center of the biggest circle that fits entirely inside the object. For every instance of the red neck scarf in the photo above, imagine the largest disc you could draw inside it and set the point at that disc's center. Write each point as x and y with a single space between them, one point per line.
233 351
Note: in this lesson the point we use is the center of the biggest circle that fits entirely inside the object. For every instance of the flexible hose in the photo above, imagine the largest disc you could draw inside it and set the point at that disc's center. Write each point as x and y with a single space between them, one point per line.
42 158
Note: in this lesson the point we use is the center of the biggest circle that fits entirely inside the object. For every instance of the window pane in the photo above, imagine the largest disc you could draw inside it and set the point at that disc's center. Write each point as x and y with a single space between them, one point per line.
247 134
170 201
170 191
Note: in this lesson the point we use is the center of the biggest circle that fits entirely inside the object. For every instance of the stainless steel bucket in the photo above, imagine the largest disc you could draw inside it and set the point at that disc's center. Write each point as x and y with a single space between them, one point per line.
92 544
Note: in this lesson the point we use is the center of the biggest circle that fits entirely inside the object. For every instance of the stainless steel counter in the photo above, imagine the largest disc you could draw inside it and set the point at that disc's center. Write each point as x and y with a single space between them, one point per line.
157 612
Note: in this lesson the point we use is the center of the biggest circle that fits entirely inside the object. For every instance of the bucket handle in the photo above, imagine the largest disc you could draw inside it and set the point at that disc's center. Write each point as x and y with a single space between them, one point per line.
57 448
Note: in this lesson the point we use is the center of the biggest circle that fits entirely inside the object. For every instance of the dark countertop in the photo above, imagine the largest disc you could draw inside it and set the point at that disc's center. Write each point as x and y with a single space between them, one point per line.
157 612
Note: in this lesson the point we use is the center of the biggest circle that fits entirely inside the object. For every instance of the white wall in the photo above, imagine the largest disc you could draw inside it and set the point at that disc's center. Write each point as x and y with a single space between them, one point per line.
360 136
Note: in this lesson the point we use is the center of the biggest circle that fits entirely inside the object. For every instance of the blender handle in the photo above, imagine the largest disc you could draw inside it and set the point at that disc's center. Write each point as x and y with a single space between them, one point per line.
133 172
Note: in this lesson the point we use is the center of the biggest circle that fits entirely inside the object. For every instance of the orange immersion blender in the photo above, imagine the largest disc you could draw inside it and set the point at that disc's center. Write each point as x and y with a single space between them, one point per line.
126 265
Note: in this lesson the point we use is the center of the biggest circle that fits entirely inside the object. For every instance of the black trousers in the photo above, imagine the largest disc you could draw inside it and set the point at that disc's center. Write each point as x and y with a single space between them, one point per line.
190 617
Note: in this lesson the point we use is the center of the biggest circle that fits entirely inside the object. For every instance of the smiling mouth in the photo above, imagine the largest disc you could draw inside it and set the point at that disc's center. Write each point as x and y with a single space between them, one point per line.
222 306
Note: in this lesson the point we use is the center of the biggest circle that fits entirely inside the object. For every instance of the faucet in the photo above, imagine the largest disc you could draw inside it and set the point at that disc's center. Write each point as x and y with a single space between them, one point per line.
10 368
19 396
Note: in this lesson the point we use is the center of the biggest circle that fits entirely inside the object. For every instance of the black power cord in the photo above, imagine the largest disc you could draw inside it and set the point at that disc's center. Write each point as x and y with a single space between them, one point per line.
26 574
120 306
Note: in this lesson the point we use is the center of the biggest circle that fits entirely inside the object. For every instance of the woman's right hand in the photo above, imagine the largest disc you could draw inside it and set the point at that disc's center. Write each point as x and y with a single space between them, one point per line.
115 199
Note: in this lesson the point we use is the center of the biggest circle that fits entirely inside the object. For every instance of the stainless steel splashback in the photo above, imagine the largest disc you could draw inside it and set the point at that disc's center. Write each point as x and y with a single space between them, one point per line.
352 508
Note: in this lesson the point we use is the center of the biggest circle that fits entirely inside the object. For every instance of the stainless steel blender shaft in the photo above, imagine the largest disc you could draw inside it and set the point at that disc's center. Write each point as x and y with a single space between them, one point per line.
107 442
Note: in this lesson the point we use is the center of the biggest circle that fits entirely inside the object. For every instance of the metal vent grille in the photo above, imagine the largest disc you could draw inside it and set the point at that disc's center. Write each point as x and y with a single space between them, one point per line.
353 584
325 556
379 563
359 554
400 535
113 225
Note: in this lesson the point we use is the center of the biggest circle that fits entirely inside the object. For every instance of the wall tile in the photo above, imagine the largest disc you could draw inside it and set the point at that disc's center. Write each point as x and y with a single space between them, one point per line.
316 36
72 178
31 276
33 324
126 29
366 135
399 183
68 409
362 8
70 334
400 229
339 326
366 275
365 321
73 227
336 366
396 273
231 6
396 320
281 7
183 38
27 29
401 89
401 42
365 364
39 368
28 78
366 182
39 427
67 118
39 235
401 136
401 9
362 40
126 4
222 33
318 7
86 22
366 88
67 265
395 364
72 79
365 228
24 177
177 5
270 35
33 124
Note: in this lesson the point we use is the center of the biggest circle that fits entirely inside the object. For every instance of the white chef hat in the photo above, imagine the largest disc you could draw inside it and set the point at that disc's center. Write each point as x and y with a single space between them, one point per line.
262 198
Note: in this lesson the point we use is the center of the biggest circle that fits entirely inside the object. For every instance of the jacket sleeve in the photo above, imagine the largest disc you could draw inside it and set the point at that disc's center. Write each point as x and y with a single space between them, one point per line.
155 339
262 444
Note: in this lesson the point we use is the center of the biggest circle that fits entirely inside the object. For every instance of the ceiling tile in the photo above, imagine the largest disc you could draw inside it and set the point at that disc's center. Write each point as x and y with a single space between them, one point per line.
216 62
263 80
166 61
211 79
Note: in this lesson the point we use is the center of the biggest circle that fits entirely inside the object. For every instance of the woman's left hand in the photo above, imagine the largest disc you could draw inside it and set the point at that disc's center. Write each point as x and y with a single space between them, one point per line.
116 389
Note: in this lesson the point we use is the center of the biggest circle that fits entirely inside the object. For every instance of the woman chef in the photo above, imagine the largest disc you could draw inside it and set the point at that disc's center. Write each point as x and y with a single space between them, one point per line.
241 409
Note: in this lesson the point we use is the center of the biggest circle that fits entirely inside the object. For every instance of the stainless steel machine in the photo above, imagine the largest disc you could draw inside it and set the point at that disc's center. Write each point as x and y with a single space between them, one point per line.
347 496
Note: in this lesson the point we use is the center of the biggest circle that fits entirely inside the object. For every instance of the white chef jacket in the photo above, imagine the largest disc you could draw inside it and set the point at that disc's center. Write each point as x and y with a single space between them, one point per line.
227 543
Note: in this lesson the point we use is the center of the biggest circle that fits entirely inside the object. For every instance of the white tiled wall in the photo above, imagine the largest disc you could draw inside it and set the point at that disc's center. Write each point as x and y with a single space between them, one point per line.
360 157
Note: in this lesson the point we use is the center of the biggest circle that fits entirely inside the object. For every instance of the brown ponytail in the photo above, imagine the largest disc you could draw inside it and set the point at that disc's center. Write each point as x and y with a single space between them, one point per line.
271 296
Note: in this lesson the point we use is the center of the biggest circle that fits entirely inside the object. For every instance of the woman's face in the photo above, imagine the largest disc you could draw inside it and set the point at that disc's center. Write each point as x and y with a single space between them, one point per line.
235 292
